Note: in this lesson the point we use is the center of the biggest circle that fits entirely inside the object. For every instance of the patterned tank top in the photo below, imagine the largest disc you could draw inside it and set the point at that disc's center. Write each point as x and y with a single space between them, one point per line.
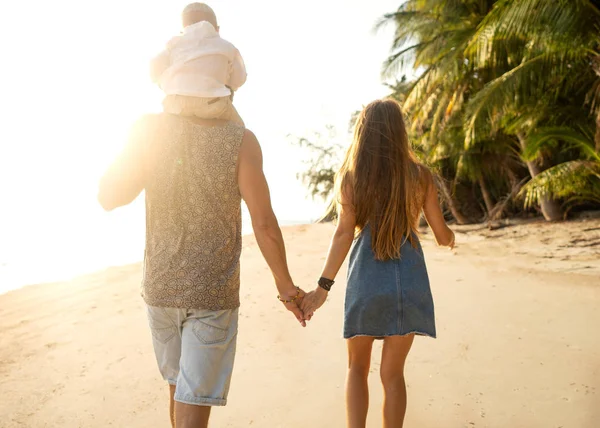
193 216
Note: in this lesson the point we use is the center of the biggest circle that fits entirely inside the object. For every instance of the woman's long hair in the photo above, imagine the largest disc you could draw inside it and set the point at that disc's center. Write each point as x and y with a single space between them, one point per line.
383 179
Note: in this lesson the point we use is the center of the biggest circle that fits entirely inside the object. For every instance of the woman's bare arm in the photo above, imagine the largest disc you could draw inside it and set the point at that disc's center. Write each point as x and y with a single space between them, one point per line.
341 241
338 250
433 214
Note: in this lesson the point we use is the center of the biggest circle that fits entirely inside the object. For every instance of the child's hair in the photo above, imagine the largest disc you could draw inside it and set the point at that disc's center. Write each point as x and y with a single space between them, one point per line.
383 179
198 12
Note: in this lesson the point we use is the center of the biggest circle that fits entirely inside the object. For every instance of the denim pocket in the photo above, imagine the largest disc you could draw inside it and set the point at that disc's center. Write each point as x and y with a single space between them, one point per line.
164 335
163 329
209 334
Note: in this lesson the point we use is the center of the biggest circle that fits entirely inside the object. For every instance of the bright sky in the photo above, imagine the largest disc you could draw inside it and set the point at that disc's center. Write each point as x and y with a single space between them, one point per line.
75 77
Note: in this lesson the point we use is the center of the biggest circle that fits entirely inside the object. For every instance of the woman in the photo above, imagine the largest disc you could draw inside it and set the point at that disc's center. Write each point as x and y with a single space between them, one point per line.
381 189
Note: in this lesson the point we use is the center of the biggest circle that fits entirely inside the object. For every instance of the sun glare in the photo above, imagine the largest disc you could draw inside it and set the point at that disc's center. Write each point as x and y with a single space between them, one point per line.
80 79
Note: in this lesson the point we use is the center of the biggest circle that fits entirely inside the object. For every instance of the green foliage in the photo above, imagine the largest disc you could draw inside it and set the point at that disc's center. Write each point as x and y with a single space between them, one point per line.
576 181
546 138
505 84
322 164
507 93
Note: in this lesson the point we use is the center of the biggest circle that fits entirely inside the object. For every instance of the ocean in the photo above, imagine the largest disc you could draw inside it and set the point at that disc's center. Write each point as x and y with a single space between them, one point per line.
75 244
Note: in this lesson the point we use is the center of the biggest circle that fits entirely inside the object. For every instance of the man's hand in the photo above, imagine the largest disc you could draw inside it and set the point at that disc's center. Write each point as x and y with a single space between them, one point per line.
313 301
294 307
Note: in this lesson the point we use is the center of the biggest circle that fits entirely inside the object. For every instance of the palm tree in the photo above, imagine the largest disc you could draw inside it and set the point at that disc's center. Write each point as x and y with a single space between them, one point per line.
577 181
508 91
548 49
432 35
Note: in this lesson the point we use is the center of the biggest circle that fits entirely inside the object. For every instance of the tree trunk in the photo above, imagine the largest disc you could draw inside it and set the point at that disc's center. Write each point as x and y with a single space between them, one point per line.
512 177
597 137
550 208
458 216
596 67
487 198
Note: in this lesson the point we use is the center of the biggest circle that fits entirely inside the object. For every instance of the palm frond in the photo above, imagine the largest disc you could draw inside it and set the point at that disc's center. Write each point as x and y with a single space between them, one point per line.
575 179
556 19
504 81
582 140
399 61
502 94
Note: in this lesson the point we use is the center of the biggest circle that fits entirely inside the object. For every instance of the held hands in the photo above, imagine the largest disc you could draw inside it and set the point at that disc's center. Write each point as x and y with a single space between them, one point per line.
293 302
303 305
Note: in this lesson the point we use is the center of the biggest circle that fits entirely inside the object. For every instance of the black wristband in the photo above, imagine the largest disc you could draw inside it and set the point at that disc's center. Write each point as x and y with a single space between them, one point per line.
325 283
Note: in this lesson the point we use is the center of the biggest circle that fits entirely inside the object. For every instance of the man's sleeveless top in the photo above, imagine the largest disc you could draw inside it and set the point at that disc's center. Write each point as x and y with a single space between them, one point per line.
193 215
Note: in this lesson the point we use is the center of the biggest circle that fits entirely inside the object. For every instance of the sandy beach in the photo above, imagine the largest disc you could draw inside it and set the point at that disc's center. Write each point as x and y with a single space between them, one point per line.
516 312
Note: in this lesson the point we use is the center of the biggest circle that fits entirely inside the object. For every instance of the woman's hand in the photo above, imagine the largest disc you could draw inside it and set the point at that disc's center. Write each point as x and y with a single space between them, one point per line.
313 301
452 242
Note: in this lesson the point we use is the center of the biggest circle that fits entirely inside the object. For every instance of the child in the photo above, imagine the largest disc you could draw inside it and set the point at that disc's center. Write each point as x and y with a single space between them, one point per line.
199 71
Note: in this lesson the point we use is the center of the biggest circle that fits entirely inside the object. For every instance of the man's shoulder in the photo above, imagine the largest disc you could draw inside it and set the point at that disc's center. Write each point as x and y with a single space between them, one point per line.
155 123
147 123
249 136
155 120
149 118
152 125
249 145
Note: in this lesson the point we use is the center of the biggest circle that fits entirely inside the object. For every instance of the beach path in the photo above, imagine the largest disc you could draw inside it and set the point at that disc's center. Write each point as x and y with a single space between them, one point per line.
517 313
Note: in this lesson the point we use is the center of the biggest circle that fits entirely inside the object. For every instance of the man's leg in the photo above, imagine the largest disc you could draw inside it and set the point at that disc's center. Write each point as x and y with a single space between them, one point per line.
166 340
188 416
172 404
206 364
191 416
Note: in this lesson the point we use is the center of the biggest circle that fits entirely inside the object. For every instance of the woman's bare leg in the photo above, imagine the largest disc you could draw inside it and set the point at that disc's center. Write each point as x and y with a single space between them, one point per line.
357 389
395 351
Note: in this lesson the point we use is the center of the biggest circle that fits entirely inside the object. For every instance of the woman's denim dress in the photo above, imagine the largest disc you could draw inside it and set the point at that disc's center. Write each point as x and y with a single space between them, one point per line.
387 298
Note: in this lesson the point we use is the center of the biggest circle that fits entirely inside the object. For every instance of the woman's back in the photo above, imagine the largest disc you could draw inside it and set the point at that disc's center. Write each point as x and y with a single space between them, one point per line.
384 182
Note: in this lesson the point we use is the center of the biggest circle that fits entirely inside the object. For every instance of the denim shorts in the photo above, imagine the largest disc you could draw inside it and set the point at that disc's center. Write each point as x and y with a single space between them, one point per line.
195 350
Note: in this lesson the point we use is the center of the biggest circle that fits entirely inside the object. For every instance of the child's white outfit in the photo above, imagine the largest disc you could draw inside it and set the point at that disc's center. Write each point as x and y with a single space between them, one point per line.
198 72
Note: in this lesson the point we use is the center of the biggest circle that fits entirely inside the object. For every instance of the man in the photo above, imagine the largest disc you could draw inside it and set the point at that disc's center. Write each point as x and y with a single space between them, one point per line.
195 173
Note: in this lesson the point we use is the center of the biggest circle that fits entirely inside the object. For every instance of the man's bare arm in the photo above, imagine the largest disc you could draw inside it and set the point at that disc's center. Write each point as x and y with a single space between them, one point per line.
255 192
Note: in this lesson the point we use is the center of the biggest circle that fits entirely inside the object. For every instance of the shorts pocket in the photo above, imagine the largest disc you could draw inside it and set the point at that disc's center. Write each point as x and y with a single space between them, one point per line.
209 334
163 335
163 329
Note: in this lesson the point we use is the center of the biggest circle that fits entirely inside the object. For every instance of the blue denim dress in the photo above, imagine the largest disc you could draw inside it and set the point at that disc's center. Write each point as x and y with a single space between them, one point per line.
387 298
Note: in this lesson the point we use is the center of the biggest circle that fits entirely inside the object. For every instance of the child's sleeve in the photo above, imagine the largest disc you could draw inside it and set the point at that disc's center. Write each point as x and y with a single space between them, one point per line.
238 73
158 65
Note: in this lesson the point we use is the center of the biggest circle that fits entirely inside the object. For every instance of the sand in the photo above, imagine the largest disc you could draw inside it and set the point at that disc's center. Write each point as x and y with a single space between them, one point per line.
517 317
